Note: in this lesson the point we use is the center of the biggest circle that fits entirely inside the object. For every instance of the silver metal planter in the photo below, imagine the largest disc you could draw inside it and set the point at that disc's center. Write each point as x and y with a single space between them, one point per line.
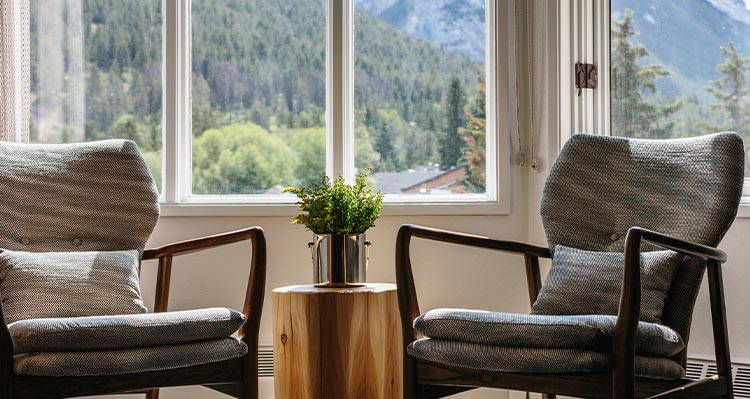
339 260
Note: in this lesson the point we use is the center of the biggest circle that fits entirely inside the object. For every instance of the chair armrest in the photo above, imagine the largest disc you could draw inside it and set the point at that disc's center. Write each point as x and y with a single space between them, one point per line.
202 243
628 314
407 296
473 240
679 245
255 293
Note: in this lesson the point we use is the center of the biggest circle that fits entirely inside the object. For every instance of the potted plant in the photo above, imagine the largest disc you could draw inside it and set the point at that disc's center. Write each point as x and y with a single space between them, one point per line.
338 214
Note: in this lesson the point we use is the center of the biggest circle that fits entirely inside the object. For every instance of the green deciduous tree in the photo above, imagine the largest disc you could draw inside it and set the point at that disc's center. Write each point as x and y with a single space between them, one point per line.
241 158
309 146
635 111
475 136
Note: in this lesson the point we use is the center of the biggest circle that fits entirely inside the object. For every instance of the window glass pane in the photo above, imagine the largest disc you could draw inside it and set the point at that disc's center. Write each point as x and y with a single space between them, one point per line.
96 73
258 94
680 68
419 95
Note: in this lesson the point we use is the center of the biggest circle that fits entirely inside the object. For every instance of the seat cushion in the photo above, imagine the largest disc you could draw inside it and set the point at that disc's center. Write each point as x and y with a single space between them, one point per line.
123 331
591 332
126 361
533 360
588 282
38 285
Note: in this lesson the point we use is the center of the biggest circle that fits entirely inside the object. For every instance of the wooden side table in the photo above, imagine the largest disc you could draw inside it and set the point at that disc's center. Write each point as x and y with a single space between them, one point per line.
337 343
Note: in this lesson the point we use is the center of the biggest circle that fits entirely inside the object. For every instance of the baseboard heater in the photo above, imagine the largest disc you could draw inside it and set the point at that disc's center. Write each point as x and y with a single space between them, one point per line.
698 367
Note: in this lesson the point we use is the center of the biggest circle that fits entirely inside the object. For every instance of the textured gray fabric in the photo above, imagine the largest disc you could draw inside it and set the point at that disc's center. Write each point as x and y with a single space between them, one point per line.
589 282
600 186
69 284
123 331
533 360
126 361
591 332
96 196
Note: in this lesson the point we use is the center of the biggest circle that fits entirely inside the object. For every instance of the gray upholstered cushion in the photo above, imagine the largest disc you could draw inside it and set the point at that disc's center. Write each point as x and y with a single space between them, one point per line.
592 332
124 331
125 361
96 196
588 282
601 186
533 360
69 284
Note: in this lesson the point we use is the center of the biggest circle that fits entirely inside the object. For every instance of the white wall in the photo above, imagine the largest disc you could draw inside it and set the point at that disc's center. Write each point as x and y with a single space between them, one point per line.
445 275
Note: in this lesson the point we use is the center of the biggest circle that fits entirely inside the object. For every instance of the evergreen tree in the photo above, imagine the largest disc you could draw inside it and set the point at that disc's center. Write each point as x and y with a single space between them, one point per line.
733 95
453 143
732 91
634 111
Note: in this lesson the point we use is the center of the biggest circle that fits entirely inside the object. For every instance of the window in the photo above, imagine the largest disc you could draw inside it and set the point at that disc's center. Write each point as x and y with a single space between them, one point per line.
258 95
419 94
666 86
96 73
250 96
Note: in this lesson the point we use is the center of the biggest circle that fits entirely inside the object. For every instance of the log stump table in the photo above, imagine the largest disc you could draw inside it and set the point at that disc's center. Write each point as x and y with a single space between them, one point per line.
337 343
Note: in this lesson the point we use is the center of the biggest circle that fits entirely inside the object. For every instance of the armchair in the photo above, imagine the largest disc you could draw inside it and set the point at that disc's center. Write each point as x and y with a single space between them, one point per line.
100 196
600 191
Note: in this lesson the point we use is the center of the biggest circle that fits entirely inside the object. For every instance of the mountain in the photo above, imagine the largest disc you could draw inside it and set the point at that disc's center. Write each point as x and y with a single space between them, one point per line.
456 25
685 36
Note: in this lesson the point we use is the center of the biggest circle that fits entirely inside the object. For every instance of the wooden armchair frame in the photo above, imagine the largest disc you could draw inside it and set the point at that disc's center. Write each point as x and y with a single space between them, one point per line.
426 380
236 377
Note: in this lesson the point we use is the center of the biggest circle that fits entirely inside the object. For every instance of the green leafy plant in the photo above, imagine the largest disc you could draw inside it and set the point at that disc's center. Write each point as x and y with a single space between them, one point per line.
336 207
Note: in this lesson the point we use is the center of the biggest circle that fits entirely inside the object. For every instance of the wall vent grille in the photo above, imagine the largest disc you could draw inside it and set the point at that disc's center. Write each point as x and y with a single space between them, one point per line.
700 368
265 361
695 370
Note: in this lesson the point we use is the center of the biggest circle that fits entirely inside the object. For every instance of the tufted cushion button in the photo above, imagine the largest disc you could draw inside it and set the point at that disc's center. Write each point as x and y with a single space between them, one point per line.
614 237
77 242
25 241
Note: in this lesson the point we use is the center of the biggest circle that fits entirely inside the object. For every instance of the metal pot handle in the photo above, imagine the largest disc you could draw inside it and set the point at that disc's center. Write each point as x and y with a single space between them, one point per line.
368 244
310 245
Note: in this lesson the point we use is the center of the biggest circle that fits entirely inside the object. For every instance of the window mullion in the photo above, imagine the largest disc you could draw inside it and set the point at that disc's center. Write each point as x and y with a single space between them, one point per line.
177 124
601 46
170 113
339 96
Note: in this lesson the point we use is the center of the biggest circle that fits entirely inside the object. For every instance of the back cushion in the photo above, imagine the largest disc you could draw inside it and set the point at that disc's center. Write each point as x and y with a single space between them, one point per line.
75 197
587 282
69 284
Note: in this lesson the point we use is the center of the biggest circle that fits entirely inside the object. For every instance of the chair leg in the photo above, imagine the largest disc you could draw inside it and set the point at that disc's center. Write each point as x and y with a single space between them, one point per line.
410 388
152 394
549 396
6 383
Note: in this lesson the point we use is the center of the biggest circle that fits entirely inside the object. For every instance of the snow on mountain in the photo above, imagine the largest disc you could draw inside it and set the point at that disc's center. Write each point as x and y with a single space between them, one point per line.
456 25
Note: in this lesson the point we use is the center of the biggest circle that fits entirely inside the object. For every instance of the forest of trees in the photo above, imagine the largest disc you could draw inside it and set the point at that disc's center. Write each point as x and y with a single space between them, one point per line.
258 90
639 110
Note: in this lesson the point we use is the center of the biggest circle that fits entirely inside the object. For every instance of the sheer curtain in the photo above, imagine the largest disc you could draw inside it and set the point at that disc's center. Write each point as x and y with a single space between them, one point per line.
14 70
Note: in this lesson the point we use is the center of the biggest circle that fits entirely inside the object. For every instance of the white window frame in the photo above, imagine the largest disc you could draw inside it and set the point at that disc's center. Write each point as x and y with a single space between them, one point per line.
584 36
500 66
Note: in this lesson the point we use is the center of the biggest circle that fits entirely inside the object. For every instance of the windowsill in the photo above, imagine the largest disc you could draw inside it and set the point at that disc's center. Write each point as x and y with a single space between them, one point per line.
288 210
744 211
